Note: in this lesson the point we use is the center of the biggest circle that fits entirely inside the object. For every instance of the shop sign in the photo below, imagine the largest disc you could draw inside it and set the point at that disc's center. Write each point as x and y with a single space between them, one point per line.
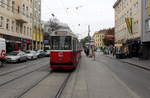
118 45
46 41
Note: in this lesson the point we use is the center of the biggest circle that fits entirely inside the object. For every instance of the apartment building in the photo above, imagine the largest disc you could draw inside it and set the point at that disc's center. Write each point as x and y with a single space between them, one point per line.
128 24
16 23
98 39
37 26
127 9
145 37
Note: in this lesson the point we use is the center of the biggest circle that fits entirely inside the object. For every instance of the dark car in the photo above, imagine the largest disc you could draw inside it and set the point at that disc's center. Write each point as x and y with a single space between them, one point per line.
47 53
121 55
40 53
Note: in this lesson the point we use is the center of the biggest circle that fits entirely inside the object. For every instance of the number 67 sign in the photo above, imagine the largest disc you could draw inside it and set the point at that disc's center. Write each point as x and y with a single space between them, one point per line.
2 53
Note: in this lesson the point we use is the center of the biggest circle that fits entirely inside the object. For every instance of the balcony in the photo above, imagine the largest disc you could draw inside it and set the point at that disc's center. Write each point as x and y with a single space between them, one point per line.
21 18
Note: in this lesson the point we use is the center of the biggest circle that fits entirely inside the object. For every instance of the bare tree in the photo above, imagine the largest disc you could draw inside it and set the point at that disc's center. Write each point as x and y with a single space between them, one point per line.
53 24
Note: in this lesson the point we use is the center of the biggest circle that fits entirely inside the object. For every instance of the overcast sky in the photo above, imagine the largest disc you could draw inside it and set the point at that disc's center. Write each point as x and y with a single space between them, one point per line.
98 14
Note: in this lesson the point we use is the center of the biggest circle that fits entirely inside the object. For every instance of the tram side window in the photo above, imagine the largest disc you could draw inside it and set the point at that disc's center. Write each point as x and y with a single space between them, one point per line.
61 43
74 44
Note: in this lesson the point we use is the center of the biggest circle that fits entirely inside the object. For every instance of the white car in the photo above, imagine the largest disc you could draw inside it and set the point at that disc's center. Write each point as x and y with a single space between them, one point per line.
16 56
31 54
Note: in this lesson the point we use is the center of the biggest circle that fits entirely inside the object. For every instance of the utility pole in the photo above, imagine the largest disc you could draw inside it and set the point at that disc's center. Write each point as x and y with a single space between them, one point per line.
89 33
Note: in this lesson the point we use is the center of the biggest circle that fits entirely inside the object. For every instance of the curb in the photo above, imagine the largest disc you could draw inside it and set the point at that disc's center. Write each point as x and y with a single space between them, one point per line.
145 68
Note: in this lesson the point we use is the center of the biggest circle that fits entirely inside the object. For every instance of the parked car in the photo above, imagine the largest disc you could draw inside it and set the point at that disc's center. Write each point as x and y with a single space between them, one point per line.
40 53
120 55
31 54
47 53
16 56
2 51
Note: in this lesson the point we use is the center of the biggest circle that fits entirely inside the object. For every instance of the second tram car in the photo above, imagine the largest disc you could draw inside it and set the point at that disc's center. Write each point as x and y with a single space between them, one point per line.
65 51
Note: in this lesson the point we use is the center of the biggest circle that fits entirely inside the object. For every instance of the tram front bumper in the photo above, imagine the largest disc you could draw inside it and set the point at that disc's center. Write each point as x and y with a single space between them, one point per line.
62 66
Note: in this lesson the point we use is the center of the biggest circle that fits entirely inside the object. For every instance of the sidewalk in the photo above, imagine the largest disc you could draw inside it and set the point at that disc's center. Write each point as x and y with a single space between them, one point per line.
95 80
144 64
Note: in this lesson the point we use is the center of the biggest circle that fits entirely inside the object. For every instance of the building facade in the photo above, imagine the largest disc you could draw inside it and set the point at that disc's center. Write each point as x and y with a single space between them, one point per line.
46 42
128 25
16 23
145 14
37 35
98 39
127 9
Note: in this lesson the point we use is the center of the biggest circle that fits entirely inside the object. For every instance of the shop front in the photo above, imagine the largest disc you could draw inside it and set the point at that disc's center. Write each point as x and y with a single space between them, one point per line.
12 43
15 43
26 44
133 47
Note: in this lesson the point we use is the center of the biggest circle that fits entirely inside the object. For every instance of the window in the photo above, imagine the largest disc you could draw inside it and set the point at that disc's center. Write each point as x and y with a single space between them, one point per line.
21 27
8 4
23 9
61 43
13 6
12 25
2 3
146 4
1 21
7 24
24 29
18 9
147 23
27 11
28 31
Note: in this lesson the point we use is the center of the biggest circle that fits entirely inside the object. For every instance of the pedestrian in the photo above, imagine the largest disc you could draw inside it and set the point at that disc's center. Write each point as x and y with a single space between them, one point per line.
88 51
93 52
85 51
114 51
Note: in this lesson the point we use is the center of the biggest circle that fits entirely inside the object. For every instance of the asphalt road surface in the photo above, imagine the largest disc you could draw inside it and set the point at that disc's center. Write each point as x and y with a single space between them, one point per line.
103 78
16 79
135 78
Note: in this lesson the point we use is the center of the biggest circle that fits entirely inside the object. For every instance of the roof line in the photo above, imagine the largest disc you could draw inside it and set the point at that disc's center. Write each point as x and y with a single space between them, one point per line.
116 3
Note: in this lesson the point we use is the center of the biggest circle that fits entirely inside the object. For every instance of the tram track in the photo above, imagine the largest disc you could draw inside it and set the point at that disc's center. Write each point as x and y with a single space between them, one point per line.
19 68
62 87
21 76
34 85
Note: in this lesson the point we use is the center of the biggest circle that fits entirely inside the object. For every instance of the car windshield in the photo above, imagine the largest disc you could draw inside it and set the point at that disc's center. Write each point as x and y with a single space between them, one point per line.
28 52
13 53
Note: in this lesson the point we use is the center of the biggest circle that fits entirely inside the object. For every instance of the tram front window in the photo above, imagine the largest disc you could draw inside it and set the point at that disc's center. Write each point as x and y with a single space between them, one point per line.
61 43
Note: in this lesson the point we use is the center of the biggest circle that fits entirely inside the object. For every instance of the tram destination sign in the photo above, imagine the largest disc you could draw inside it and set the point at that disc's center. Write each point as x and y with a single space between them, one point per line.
60 33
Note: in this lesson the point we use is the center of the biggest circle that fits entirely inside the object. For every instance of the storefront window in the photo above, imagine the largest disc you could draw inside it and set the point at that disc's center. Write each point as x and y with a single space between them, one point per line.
7 24
147 25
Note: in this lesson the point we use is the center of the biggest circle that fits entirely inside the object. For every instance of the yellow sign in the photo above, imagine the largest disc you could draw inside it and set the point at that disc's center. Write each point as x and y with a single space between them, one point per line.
129 24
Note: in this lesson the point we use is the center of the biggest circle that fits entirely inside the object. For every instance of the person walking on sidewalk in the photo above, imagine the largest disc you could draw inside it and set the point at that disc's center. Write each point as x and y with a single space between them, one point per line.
93 52
86 51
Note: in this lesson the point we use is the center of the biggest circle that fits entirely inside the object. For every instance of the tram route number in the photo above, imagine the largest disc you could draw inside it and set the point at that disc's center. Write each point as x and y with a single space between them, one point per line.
2 53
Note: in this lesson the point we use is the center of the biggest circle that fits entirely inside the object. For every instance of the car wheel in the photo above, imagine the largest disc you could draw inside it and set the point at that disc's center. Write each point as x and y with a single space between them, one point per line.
25 60
18 60
1 64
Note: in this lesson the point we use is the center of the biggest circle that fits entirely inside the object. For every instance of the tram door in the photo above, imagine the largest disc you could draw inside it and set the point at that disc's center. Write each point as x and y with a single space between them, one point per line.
74 51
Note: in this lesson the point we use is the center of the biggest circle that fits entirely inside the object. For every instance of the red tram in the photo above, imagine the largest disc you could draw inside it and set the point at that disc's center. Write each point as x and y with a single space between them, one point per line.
65 50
